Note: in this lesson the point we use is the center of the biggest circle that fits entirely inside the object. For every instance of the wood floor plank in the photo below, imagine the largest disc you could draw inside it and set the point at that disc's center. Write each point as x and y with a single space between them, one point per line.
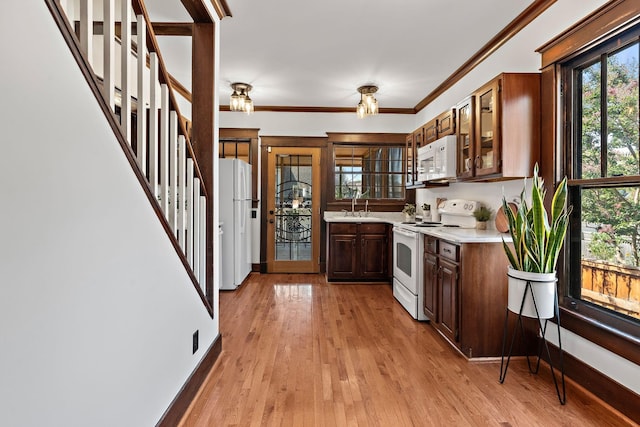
298 351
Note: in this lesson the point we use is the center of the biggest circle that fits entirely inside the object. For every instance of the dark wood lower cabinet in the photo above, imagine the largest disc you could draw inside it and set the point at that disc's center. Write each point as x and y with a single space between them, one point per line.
373 255
345 265
465 295
430 285
358 251
449 299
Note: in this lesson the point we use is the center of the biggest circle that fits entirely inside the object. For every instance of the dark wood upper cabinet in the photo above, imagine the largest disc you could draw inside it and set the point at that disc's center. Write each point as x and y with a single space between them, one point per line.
446 123
430 130
410 166
486 160
465 137
501 136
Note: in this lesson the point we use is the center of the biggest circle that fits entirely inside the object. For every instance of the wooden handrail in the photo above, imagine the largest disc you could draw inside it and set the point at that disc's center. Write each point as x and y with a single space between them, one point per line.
164 80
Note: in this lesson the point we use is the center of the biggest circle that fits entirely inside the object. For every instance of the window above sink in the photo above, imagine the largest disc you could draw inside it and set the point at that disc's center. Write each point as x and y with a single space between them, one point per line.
367 167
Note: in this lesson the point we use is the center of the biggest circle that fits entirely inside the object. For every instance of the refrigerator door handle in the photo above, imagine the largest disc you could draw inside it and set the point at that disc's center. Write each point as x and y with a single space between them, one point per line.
242 195
243 215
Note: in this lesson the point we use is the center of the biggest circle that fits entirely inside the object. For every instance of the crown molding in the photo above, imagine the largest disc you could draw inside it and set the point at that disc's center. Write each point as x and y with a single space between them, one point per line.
288 109
520 22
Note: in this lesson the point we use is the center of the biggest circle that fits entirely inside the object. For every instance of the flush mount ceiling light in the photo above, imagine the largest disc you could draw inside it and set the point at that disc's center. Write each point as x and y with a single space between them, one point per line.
240 100
368 105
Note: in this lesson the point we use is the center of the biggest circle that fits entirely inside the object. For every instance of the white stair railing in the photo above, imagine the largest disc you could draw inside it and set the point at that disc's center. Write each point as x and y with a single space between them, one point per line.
139 89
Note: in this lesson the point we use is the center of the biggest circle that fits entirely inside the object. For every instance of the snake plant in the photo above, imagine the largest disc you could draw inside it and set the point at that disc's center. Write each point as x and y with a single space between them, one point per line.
536 239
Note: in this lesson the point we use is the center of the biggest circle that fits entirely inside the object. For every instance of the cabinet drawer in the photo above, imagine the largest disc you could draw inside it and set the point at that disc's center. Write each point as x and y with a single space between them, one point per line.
430 244
373 228
343 228
449 251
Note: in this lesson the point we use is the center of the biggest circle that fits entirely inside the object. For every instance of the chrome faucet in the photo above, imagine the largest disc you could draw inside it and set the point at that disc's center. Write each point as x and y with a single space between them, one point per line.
354 202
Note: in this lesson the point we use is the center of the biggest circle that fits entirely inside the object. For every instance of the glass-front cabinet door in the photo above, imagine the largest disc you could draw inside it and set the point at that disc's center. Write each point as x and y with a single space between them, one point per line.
486 160
410 164
465 138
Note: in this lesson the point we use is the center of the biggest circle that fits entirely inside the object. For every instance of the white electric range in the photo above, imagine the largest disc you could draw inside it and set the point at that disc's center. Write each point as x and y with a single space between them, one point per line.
408 252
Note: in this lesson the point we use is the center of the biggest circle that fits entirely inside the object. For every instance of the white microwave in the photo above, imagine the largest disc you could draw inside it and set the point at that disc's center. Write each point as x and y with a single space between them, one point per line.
437 160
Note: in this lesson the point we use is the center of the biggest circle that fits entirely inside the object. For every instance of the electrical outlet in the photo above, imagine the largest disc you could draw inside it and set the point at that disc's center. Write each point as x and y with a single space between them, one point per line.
195 342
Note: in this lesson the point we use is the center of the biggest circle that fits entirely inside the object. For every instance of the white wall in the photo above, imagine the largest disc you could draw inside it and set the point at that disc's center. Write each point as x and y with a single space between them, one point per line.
490 194
316 124
96 311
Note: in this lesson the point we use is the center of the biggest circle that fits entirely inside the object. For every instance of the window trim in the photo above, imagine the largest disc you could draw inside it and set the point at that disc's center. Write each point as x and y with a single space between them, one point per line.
367 139
369 176
227 135
614 332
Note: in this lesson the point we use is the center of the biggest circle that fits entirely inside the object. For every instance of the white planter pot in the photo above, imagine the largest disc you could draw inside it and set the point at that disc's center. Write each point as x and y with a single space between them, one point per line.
544 291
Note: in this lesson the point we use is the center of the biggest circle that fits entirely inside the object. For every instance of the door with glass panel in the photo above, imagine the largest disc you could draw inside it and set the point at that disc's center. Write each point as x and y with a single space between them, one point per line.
293 210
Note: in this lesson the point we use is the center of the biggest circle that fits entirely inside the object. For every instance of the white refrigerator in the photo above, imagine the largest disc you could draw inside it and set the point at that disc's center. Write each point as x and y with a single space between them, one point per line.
235 214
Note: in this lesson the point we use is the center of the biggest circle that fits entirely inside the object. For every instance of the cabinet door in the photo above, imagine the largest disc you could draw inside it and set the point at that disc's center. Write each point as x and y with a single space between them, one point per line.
418 138
446 123
373 256
430 131
448 315
430 286
464 135
342 256
487 146
411 161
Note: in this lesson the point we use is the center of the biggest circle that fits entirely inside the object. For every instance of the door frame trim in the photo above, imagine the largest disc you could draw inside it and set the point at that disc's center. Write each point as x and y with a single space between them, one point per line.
292 142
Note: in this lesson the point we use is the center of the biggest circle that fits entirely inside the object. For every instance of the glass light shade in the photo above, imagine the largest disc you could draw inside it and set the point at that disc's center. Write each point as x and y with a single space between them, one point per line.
241 101
361 110
235 101
368 99
248 105
373 107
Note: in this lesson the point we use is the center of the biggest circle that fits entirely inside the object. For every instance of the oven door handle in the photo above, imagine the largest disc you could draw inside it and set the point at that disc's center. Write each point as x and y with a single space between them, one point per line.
405 233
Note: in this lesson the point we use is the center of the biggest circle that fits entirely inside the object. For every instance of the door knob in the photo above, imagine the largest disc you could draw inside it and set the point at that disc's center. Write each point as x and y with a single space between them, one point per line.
271 212
271 221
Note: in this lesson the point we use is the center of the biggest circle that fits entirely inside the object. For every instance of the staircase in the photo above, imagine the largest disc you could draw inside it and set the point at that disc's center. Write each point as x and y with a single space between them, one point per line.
118 54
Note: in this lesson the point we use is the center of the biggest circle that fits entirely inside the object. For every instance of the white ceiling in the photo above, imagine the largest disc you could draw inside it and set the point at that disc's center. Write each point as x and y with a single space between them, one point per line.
315 54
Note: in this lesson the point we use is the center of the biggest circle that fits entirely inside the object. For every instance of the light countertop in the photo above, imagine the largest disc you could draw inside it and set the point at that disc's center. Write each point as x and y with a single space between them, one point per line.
452 234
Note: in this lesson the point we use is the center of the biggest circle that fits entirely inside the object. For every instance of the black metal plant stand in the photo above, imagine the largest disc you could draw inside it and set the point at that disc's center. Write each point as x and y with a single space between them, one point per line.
544 345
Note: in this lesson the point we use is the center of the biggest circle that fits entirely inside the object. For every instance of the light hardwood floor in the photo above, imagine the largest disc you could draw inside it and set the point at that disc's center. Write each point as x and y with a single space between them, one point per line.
298 351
